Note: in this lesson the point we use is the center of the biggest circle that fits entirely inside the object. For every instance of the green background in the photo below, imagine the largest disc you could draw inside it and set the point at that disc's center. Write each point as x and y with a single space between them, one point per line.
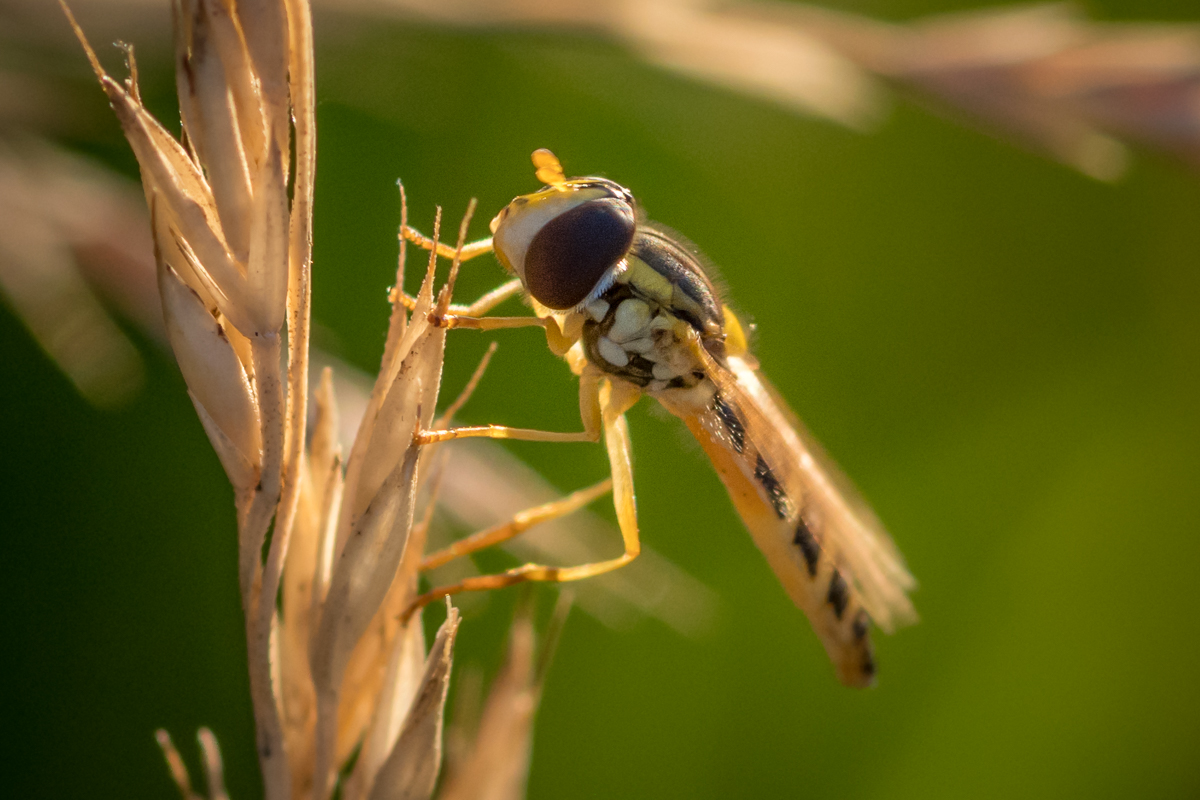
1002 353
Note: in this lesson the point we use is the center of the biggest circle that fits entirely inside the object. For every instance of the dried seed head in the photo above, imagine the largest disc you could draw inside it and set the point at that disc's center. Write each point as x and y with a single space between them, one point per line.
217 382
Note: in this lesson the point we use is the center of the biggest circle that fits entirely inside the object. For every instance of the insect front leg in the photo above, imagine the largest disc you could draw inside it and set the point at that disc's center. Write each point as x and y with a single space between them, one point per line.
469 251
490 300
612 401
481 306
485 303
451 320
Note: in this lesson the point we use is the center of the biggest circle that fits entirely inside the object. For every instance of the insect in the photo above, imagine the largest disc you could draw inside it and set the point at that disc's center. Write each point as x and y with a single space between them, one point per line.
627 303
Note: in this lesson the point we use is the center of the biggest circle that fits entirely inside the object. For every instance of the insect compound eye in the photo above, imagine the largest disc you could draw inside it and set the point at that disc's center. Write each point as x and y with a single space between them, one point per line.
571 253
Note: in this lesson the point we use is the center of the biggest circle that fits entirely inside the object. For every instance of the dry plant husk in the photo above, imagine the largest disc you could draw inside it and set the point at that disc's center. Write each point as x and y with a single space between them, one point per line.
232 251
496 764
333 671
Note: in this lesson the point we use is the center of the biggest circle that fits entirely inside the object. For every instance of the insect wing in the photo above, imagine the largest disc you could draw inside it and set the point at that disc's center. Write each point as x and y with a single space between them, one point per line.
838 517
826 547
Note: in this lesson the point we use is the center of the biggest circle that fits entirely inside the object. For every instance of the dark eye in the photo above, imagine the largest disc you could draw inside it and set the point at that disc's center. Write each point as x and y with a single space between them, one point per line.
573 251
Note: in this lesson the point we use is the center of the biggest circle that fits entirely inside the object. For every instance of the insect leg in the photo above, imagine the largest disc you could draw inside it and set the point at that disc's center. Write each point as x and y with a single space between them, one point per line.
444 250
490 300
480 307
485 323
519 523
590 432
613 402
502 432
466 253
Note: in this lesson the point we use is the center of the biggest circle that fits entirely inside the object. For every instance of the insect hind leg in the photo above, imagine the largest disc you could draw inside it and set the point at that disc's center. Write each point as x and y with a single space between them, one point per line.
613 402
519 523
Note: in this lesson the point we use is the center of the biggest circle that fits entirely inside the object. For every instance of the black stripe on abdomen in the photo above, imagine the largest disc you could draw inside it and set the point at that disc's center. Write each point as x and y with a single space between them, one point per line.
838 595
862 625
770 484
733 424
804 539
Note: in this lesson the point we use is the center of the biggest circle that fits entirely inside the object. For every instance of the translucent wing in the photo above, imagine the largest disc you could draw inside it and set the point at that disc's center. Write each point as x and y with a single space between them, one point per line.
840 519
826 546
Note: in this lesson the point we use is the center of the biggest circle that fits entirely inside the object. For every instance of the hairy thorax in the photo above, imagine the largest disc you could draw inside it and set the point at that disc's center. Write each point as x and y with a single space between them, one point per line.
644 327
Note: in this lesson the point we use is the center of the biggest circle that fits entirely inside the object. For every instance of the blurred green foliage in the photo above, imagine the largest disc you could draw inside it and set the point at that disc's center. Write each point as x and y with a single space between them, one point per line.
1002 353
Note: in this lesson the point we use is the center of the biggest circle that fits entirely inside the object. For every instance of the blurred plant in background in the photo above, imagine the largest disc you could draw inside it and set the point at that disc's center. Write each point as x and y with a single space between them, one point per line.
1041 75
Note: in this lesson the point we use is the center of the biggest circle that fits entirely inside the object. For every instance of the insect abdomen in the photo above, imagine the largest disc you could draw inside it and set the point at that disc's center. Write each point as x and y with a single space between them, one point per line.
789 540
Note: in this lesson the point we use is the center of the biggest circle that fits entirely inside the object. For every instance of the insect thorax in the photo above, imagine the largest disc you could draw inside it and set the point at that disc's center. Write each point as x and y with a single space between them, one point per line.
639 328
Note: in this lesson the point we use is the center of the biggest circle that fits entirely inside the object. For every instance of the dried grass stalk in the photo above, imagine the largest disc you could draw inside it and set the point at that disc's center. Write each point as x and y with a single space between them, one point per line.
213 771
1043 75
220 217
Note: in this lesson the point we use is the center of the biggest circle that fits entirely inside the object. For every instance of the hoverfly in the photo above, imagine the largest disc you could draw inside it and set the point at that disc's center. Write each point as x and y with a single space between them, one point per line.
627 303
